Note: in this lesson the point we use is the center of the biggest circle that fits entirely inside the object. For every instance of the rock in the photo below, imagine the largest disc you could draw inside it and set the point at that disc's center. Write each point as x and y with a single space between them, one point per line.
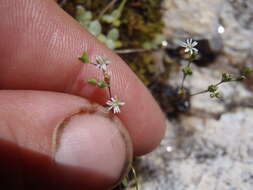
236 17
210 154
210 147
226 24
195 17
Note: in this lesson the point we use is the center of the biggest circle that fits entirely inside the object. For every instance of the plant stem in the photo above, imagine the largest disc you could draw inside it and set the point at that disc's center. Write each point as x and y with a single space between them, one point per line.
205 91
126 51
109 90
135 178
182 85
201 92
62 3
219 83
106 9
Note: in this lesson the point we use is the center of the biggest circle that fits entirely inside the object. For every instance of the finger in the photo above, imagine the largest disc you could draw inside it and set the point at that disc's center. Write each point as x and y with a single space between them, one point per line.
39 49
50 140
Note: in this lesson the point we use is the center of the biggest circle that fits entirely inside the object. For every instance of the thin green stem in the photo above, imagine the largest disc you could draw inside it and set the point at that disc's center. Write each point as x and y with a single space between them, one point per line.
219 83
201 92
205 91
182 84
189 64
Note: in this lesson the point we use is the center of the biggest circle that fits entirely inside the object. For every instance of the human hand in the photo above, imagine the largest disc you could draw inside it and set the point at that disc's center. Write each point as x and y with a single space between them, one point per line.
51 135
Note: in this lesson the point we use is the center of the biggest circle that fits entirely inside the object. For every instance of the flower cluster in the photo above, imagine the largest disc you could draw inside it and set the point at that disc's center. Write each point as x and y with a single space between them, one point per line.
192 51
189 46
101 64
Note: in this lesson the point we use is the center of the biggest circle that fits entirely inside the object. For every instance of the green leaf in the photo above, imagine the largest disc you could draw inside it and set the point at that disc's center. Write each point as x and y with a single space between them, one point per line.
240 78
102 84
114 17
116 14
83 16
212 88
80 11
116 23
110 44
125 182
218 95
244 74
95 27
92 81
148 45
113 34
247 71
182 92
158 39
84 58
102 38
226 77
108 19
118 44
187 71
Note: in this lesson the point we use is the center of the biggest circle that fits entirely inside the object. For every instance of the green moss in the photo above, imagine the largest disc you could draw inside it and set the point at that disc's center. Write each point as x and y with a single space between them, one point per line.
142 65
140 27
141 22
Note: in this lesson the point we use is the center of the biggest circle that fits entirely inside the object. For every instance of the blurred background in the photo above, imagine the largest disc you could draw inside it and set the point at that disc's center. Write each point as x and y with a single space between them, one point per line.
209 142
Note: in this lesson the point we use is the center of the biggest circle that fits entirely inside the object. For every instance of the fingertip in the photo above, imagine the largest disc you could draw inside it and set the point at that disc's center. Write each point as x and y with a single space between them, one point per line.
90 147
40 47
94 144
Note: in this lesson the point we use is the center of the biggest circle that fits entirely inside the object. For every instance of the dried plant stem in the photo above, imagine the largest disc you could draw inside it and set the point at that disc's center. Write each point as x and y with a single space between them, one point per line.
106 9
62 3
126 51
135 178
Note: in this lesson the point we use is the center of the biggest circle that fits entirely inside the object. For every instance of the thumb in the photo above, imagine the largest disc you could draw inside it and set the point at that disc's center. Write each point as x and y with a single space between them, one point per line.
59 141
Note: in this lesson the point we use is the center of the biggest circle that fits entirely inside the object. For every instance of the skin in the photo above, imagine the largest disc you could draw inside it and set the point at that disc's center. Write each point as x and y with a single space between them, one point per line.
39 48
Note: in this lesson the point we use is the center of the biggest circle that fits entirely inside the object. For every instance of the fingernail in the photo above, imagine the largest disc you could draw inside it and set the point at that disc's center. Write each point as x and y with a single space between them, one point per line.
96 143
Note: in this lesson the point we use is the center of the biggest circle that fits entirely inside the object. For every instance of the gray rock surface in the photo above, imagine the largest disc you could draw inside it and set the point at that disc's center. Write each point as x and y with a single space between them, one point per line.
203 153
224 23
210 148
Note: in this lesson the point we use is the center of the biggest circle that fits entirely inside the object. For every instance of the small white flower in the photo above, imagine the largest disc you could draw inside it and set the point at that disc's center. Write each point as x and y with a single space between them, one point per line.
189 46
114 103
102 63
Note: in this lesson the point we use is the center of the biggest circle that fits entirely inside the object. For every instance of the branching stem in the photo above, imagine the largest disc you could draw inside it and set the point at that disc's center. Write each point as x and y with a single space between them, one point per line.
205 91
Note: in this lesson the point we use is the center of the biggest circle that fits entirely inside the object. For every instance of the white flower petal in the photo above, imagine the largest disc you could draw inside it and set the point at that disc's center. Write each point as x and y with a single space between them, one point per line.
182 44
189 46
114 104
195 49
194 43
